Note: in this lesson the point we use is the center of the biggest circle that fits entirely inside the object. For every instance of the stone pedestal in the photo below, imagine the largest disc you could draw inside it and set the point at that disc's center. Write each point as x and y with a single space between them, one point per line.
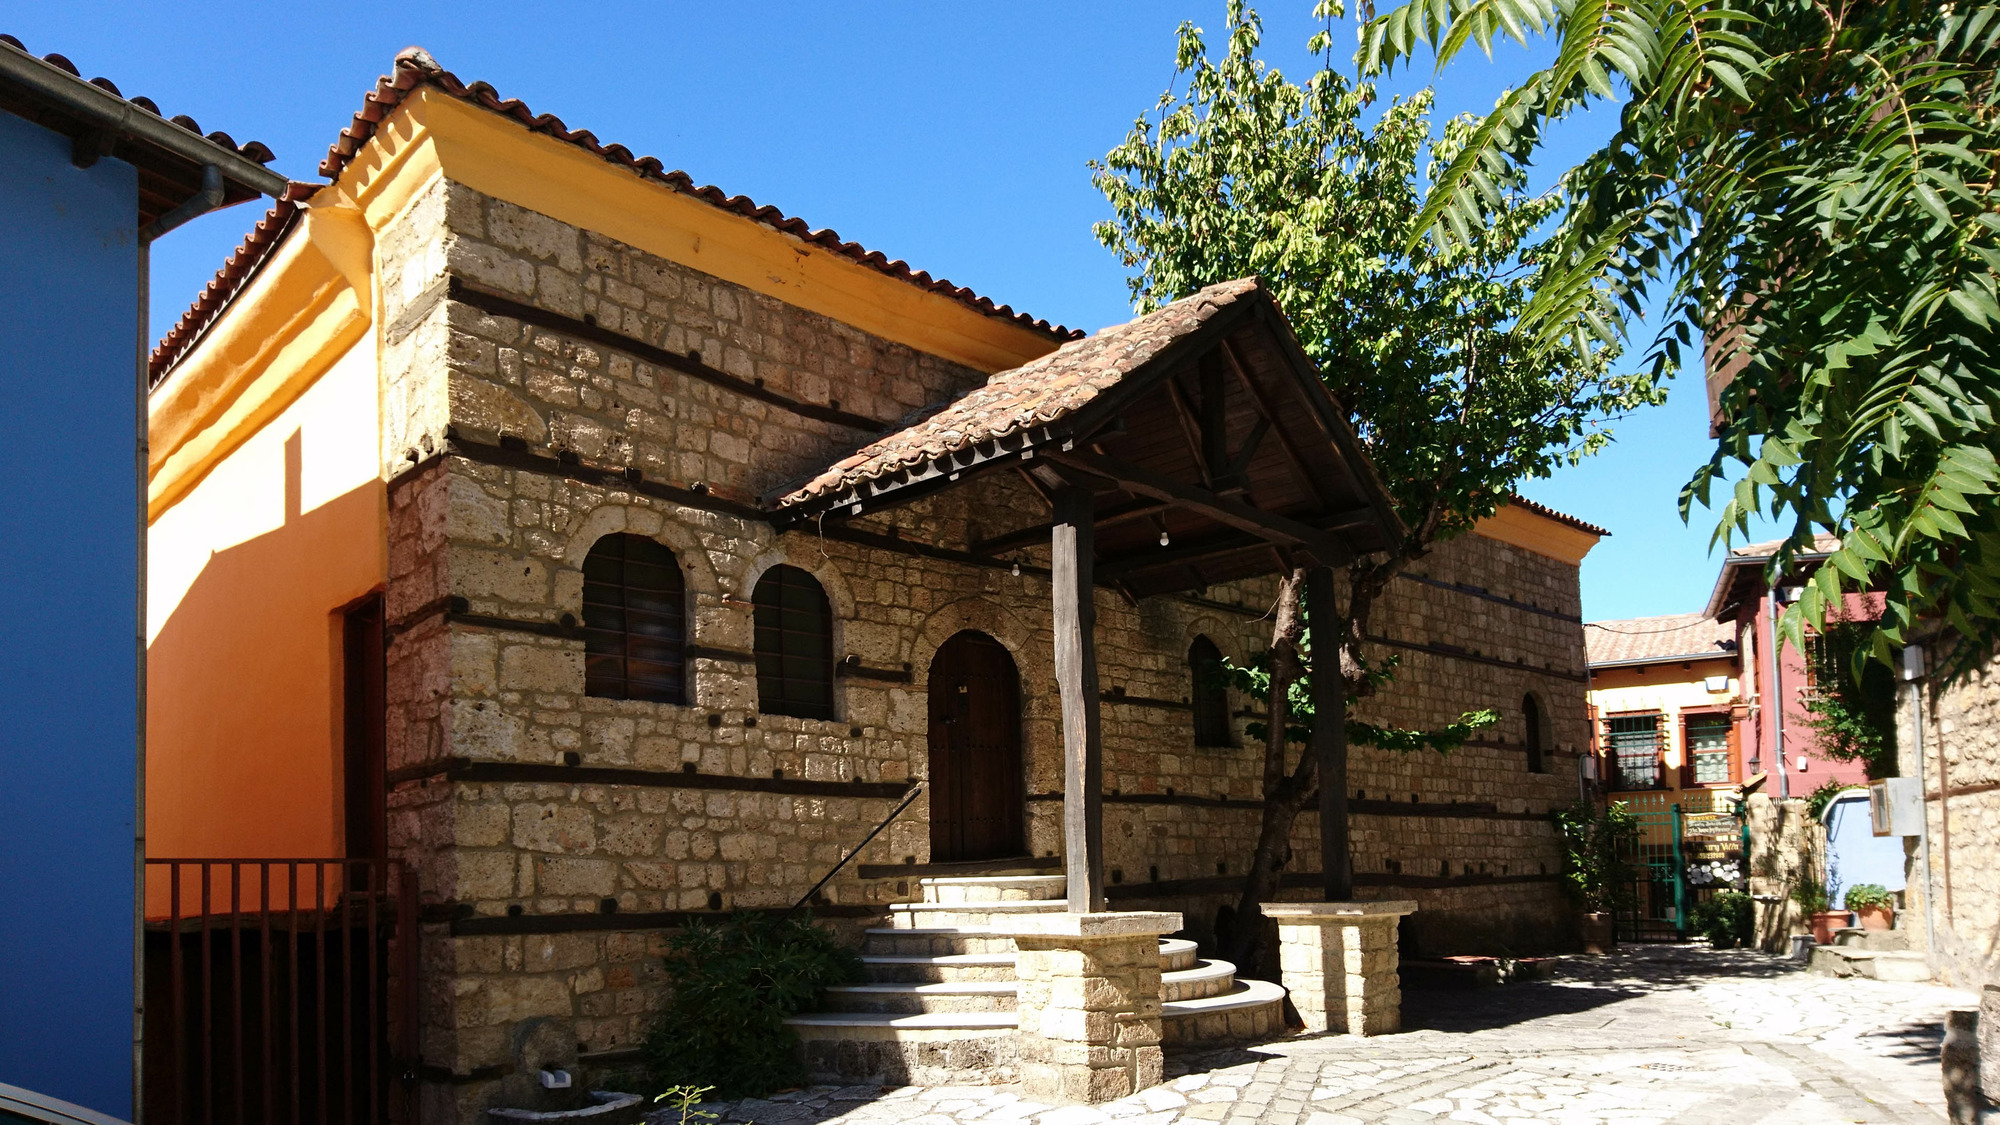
1089 1003
1340 964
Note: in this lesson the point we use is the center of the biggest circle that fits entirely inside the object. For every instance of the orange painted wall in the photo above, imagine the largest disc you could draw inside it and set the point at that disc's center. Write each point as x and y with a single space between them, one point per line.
246 576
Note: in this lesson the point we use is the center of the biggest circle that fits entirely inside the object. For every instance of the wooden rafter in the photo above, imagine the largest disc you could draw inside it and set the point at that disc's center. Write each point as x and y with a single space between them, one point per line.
1269 526
1270 415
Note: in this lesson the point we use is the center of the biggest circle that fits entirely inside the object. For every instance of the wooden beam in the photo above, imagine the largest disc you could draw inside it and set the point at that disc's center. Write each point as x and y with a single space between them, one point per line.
1264 407
1184 412
1214 421
1122 514
1269 526
1329 734
1185 552
1071 553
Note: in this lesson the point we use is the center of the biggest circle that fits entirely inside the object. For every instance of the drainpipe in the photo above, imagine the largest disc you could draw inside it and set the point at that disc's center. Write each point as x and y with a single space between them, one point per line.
198 204
1913 674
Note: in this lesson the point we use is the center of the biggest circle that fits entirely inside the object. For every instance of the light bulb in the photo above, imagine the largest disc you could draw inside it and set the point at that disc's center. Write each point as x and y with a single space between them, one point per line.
1163 538
1017 570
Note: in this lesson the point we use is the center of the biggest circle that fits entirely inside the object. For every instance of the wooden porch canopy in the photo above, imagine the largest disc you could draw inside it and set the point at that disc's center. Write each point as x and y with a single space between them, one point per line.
1192 446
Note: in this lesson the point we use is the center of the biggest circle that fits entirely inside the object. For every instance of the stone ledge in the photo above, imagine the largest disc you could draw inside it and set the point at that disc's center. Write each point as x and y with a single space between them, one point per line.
1110 924
1336 913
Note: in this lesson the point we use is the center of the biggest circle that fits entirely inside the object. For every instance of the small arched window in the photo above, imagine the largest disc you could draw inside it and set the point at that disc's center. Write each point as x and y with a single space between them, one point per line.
1210 695
794 645
634 621
1531 711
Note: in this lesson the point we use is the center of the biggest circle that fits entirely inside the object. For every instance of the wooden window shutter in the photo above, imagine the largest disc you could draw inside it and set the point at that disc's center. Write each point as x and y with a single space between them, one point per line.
794 642
634 621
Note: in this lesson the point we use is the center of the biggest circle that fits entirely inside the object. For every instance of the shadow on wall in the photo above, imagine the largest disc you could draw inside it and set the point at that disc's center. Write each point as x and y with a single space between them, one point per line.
243 718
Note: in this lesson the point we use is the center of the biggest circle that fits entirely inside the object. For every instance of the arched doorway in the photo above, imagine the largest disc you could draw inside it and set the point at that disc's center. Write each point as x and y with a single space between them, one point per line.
975 751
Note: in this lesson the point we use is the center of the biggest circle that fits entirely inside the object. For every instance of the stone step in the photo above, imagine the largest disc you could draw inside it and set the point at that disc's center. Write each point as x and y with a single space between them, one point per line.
939 998
1850 961
1881 941
993 888
934 941
922 969
930 915
1252 1009
1203 980
1177 953
927 1049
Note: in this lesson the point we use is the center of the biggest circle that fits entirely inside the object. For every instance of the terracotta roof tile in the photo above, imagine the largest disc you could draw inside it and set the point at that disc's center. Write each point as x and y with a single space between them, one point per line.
228 281
1822 544
1521 501
1025 397
1675 636
253 150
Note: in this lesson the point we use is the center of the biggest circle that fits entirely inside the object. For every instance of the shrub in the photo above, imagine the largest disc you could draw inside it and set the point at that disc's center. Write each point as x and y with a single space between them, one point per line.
734 984
1861 896
1725 919
1810 894
1595 873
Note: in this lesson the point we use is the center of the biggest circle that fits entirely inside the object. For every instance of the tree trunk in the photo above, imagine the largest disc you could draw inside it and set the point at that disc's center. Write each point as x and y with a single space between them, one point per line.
1282 796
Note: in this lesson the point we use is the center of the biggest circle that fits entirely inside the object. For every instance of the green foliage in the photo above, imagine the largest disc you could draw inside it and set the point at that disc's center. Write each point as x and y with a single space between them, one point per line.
1595 872
1862 896
685 1099
1255 680
1853 712
1724 918
1810 894
1818 800
1246 172
1810 189
733 985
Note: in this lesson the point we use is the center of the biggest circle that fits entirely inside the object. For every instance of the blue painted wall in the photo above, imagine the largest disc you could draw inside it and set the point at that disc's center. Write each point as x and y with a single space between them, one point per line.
1854 853
69 582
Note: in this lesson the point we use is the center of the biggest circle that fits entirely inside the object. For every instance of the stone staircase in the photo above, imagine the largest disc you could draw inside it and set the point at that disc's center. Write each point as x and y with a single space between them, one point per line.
937 1008
1874 954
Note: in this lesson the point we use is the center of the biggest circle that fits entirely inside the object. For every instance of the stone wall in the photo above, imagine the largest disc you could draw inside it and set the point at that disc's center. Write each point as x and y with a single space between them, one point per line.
550 891
1960 744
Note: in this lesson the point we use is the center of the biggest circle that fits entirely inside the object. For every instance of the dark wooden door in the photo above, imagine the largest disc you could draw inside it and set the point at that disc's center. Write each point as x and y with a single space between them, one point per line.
366 730
975 751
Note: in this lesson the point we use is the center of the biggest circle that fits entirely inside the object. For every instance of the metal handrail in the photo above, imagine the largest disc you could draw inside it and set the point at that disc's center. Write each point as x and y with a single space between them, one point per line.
844 860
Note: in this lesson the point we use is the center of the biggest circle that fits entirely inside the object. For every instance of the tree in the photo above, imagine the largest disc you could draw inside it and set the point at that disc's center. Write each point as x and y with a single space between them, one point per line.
1245 172
1810 187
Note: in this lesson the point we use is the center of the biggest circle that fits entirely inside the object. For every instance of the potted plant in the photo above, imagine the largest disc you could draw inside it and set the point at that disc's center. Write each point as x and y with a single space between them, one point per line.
1595 873
1725 919
1811 897
1872 905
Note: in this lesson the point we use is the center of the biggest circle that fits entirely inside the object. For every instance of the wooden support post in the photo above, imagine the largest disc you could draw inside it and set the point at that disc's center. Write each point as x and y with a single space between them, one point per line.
1071 554
1329 735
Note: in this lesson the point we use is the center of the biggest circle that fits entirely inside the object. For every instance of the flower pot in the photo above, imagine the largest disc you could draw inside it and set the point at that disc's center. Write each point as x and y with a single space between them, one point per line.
1876 917
1824 922
1600 935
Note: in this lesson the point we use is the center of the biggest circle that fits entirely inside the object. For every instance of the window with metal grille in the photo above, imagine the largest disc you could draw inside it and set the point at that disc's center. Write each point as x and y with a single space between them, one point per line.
1635 749
794 645
634 621
1708 748
1210 695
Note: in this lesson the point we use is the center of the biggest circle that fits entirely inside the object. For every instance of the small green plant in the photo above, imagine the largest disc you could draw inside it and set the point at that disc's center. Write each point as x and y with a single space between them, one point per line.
685 1099
1811 896
1862 896
734 983
1725 919
1818 800
1596 842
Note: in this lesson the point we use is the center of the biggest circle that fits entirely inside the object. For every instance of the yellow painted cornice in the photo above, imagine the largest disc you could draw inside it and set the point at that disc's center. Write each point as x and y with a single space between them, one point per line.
498 156
304 309
1532 531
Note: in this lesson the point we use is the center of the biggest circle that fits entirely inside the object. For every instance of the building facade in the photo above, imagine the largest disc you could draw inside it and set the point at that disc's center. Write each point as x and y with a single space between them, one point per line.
476 494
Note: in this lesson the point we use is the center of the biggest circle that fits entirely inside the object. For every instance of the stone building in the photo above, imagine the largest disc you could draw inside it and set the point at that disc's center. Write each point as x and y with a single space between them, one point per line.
614 552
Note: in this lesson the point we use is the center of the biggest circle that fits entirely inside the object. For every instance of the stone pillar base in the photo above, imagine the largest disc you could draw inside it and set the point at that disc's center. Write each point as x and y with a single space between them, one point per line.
1340 964
1089 1003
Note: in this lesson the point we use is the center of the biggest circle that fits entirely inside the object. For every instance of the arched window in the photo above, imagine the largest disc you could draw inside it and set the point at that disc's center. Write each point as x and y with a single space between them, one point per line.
1531 710
634 621
794 645
1210 695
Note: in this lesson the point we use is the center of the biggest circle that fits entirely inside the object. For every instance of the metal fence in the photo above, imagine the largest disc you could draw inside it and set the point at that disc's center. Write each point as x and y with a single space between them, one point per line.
280 991
1692 843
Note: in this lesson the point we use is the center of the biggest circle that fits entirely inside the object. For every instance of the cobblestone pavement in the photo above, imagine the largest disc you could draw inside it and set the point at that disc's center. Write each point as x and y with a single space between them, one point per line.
1650 1035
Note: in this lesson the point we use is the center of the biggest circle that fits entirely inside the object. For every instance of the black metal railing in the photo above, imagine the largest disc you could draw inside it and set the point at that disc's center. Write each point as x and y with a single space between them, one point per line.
280 991
865 840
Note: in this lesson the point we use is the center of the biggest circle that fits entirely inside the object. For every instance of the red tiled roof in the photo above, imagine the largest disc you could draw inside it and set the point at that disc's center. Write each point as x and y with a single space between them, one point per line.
1673 637
1822 545
253 150
415 67
1025 397
1564 518
228 281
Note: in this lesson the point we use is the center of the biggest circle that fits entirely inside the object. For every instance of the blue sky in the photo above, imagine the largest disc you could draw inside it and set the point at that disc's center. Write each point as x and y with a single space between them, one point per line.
953 136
